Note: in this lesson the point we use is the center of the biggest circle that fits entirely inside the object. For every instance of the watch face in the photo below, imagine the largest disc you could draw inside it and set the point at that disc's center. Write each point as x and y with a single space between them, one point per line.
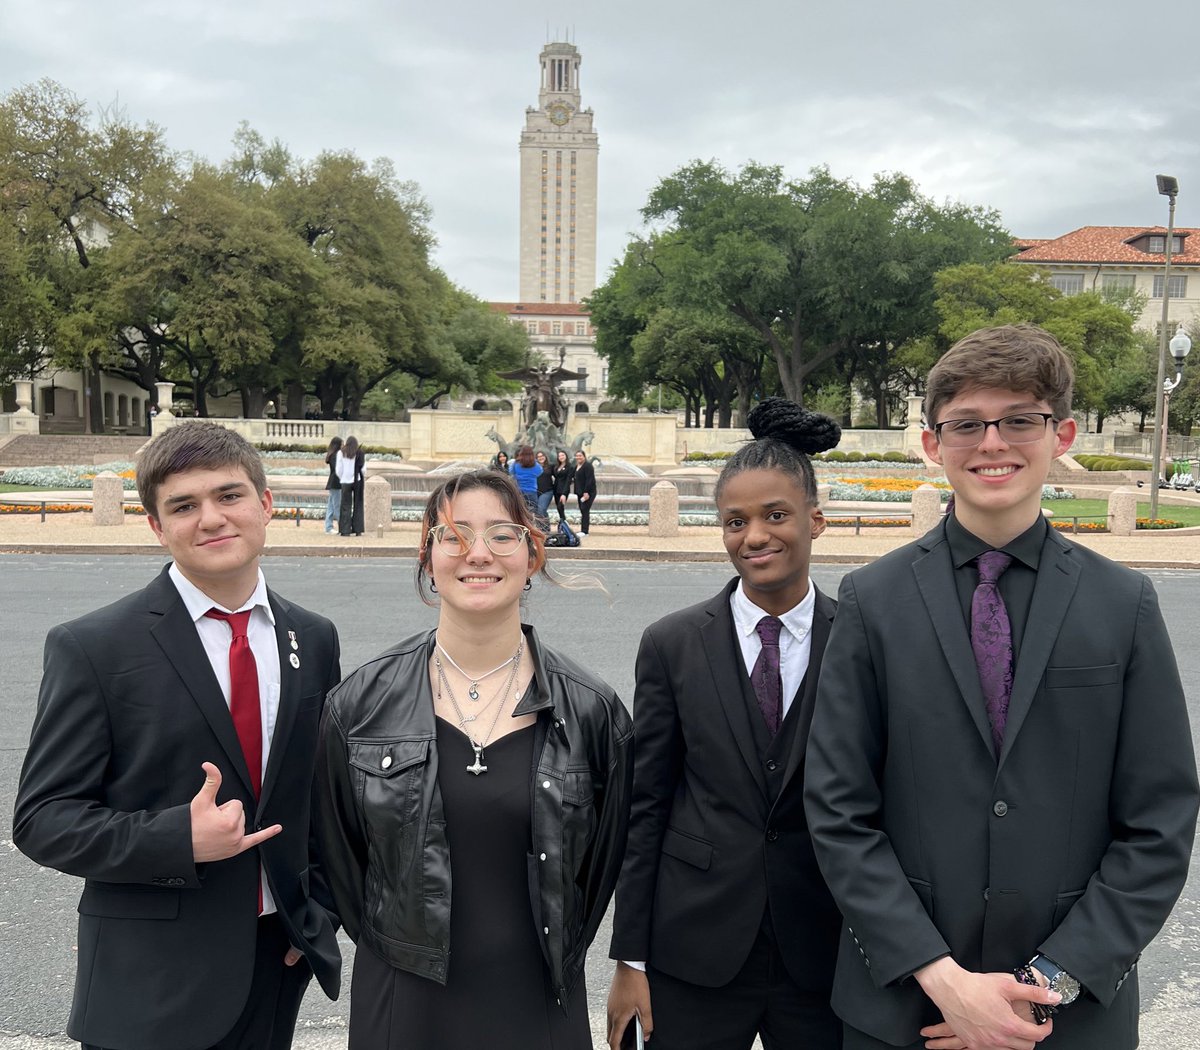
559 113
1066 986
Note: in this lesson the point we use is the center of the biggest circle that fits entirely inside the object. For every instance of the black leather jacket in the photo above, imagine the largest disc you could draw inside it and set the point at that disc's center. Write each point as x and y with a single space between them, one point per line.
382 828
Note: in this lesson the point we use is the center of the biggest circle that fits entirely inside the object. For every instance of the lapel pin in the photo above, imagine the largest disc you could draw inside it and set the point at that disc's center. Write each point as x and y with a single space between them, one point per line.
294 660
292 636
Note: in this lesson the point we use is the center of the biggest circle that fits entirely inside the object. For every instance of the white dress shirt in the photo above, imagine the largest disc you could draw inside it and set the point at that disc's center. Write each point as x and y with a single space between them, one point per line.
795 640
345 468
215 636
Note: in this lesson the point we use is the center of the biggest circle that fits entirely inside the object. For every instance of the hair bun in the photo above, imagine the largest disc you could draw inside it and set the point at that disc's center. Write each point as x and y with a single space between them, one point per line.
786 421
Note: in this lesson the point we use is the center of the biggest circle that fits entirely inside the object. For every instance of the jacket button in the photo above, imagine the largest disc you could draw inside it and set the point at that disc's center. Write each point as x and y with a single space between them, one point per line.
546 930
772 834
771 764
387 762
1000 808
542 857
546 784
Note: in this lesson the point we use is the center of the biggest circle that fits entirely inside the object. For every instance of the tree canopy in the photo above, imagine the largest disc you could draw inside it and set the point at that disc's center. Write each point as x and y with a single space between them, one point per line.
271 276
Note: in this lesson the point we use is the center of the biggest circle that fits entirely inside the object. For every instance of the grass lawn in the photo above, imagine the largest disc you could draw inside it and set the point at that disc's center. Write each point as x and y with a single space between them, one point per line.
1098 508
25 488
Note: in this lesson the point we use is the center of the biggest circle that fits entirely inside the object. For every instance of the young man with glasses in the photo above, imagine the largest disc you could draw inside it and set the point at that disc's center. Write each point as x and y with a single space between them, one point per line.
1000 784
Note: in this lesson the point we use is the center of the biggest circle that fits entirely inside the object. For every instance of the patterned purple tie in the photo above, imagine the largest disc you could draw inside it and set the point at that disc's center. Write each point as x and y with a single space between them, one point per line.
991 641
766 677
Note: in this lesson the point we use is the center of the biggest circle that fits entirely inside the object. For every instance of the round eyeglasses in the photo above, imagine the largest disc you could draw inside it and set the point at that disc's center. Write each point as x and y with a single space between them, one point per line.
502 539
1019 429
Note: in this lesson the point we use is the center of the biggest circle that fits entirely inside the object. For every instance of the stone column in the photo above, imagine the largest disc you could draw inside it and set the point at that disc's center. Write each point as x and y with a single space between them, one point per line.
664 509
377 506
165 398
108 499
912 432
926 509
23 420
1122 512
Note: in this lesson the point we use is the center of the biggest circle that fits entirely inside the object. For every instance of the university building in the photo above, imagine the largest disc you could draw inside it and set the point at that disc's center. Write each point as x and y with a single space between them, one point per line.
1125 258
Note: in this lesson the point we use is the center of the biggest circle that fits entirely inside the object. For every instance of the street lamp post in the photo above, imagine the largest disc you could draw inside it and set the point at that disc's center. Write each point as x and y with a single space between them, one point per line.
1168 186
1181 346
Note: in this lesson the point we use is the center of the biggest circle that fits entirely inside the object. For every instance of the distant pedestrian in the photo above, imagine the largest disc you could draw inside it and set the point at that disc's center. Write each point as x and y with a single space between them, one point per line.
333 502
525 470
585 490
500 463
545 491
350 462
564 476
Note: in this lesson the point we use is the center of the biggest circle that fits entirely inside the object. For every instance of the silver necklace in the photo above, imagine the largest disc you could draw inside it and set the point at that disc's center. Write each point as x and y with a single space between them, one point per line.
474 679
477 766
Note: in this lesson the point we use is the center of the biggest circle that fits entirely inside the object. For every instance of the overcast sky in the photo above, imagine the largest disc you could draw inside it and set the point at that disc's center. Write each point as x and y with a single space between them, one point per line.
1057 114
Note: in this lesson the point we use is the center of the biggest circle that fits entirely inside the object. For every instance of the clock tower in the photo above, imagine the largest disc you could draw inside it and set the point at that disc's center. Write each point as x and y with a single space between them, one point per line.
558 186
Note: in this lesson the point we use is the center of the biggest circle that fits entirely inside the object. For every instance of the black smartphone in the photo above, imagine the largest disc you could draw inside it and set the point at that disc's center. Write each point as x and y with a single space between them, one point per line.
632 1038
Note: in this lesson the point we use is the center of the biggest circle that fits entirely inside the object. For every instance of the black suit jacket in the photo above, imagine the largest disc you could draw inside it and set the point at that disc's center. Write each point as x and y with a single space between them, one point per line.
1074 843
707 845
584 480
129 708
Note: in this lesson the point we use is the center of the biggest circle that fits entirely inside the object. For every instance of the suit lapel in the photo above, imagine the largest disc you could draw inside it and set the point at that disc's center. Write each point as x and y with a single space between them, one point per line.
823 610
1057 578
727 668
935 579
289 692
176 635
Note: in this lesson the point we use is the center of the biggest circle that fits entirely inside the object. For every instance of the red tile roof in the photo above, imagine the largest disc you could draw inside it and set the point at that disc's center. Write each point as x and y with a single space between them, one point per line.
541 309
1109 244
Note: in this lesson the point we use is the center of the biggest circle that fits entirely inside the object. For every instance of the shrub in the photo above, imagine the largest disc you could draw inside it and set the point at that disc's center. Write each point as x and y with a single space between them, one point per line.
834 456
854 457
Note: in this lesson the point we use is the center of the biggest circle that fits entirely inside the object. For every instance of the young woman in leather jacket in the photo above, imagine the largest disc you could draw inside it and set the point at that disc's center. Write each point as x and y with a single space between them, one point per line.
473 798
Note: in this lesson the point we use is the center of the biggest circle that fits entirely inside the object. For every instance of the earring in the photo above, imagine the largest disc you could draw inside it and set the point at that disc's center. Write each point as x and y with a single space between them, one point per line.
433 585
528 583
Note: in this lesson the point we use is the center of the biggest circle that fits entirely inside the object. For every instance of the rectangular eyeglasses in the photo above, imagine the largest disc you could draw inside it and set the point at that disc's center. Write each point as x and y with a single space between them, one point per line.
1019 429
502 539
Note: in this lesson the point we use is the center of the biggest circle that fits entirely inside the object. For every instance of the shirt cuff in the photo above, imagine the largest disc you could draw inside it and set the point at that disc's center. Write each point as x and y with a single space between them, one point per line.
635 965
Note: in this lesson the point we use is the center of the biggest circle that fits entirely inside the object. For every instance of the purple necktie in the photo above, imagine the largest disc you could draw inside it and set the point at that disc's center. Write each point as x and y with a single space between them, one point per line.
991 641
767 680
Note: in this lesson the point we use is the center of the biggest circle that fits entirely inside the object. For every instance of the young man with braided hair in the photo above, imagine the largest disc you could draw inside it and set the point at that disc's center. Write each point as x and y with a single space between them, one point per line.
1000 784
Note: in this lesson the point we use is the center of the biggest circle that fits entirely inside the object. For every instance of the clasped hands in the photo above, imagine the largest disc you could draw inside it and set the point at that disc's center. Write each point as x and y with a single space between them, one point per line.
982 1011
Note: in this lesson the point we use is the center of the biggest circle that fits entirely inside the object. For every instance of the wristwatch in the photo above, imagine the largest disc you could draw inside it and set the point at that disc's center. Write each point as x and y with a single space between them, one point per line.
1057 979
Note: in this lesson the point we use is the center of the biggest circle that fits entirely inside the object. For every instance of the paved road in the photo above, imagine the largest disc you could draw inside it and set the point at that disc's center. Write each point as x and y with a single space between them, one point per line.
373 602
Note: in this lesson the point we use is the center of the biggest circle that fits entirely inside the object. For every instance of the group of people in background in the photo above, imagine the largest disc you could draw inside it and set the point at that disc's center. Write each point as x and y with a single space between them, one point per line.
947 811
541 482
344 504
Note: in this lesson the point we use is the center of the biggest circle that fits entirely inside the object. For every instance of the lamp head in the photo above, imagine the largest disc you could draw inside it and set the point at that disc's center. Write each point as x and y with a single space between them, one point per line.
1168 185
1180 346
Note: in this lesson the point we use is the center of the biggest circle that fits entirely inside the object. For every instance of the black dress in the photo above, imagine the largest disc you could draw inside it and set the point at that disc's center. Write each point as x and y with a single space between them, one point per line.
497 994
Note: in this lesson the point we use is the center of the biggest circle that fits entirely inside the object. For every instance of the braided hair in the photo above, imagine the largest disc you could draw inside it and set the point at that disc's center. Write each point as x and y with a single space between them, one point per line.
784 436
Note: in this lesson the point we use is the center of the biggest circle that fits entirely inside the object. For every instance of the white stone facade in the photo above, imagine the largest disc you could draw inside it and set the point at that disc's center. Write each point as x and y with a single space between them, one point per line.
559 149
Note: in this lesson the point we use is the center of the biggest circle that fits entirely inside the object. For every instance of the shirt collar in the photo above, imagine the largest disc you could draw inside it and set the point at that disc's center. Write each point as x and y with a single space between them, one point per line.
965 546
797 620
198 603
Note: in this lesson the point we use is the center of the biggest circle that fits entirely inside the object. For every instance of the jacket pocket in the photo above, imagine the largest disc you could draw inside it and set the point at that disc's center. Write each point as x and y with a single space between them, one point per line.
120 901
687 848
390 774
1082 677
1063 903
924 892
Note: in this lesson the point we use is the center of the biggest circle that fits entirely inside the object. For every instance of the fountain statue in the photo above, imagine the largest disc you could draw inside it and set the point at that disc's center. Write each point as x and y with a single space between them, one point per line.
543 412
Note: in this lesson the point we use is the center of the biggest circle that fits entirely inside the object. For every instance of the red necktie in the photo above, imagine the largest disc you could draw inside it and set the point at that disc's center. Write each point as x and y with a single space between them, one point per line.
243 699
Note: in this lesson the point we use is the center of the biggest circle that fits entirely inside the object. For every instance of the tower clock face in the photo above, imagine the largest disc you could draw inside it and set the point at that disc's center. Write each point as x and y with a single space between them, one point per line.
559 113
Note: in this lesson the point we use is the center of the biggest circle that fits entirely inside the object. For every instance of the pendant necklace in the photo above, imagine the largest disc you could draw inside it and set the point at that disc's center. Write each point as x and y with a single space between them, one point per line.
477 766
473 691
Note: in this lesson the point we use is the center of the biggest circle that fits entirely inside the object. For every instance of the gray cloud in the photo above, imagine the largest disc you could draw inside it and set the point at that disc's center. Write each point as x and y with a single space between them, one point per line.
1055 115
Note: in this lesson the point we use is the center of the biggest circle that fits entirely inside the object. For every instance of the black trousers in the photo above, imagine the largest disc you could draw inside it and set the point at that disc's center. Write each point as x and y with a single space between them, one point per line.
761 1000
268 1019
585 513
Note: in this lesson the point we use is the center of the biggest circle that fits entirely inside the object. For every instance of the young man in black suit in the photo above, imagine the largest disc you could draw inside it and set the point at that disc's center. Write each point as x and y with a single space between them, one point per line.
171 767
723 925
1000 786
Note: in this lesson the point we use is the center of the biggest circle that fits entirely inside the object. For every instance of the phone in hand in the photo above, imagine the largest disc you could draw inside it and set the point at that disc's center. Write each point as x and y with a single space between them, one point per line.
632 1038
